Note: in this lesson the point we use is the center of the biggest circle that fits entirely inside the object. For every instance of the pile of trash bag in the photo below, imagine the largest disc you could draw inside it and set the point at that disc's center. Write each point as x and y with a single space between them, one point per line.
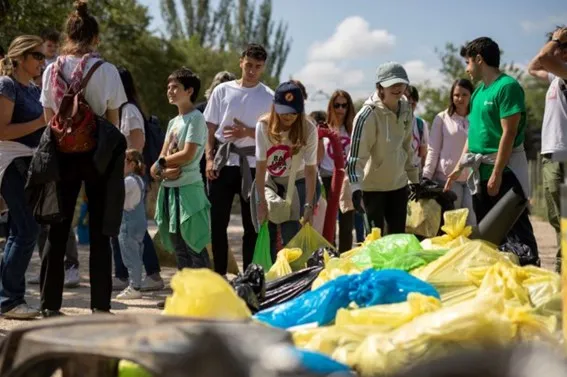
393 300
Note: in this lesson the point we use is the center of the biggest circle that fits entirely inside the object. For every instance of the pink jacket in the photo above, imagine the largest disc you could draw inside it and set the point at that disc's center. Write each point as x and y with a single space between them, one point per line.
447 139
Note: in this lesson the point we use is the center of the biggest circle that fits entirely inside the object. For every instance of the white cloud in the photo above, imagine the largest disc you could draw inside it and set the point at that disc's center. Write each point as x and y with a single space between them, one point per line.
328 76
352 39
547 24
419 72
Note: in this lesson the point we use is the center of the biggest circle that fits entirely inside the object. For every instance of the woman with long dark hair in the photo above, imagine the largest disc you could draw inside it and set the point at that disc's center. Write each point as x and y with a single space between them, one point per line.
340 117
132 126
21 127
99 164
449 132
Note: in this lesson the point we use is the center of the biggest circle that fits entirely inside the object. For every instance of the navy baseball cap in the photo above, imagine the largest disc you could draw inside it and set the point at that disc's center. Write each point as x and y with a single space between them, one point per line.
288 99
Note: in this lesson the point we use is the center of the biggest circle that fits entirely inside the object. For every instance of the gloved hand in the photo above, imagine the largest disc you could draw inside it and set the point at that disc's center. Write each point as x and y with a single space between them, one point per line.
415 191
358 202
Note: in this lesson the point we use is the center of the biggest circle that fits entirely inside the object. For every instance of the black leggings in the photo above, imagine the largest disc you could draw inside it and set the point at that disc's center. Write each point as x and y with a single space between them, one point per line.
391 206
346 220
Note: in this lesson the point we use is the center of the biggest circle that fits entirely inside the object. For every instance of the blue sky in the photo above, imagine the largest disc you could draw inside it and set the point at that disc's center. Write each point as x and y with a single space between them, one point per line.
339 43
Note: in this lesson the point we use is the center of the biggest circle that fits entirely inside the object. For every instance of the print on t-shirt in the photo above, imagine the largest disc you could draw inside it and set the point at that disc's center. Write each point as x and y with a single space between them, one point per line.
278 159
173 146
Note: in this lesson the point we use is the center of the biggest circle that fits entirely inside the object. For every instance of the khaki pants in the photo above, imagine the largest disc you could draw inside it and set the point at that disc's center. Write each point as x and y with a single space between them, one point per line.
552 178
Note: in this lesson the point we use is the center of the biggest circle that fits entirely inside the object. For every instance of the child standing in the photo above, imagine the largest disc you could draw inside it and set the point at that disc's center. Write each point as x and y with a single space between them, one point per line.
134 224
182 211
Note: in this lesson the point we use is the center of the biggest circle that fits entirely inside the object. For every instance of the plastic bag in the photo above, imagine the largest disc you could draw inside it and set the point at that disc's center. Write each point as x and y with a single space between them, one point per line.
282 266
423 217
334 268
251 286
290 286
388 317
262 253
202 293
365 289
129 369
322 256
524 253
455 228
308 240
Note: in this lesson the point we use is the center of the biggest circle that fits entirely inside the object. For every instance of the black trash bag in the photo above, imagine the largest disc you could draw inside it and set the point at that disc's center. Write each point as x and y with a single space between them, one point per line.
251 286
524 252
290 286
316 259
433 190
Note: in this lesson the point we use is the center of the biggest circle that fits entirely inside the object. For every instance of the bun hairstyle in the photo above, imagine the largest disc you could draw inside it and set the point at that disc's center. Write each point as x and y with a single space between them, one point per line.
18 48
135 156
81 29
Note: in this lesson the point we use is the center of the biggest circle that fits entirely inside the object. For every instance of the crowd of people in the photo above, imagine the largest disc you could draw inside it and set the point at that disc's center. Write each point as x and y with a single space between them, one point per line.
245 139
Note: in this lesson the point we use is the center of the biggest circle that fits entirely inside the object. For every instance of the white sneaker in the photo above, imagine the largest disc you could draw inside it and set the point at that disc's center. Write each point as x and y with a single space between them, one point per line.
34 280
22 311
72 278
129 294
152 284
119 284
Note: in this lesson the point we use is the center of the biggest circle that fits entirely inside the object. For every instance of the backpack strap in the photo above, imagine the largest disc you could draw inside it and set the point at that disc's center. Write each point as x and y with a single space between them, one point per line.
87 78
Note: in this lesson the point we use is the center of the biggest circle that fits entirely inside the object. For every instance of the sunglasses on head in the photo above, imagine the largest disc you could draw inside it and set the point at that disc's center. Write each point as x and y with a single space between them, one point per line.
39 56
339 105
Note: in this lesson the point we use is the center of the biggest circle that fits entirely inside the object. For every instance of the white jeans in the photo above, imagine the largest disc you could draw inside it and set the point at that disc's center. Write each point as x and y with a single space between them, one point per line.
464 200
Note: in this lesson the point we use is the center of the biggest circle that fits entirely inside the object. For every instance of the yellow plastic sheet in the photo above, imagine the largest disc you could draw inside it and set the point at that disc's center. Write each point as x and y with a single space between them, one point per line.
202 293
423 217
334 268
477 323
282 266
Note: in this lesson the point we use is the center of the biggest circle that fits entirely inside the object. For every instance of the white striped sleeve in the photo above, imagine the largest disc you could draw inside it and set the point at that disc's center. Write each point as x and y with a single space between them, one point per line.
363 139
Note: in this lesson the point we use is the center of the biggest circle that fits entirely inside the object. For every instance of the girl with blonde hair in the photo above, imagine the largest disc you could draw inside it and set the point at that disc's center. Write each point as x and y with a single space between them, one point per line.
21 127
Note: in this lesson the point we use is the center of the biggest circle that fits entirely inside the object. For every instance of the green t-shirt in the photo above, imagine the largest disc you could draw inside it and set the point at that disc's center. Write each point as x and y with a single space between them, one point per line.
501 99
189 128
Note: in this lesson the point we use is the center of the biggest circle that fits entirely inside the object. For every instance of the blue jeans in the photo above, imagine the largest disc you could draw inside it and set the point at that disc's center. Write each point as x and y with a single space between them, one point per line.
21 239
131 240
290 228
149 258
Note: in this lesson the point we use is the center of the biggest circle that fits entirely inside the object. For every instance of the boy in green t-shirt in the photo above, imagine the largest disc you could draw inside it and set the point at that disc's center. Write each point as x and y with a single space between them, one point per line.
182 211
496 132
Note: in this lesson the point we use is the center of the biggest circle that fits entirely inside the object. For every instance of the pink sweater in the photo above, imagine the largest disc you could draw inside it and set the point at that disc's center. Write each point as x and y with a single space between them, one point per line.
447 139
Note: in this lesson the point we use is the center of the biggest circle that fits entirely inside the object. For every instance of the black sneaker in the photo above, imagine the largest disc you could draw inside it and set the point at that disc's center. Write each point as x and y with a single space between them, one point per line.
47 313
161 305
558 262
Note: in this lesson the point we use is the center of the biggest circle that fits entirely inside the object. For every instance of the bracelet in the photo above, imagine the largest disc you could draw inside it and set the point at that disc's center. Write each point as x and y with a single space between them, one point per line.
308 206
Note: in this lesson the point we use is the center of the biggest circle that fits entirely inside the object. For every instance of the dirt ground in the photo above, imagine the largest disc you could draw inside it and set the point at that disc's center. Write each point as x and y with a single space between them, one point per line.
77 301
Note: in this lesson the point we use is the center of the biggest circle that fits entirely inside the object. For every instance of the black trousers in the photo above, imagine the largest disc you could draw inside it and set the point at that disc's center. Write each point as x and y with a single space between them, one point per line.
346 221
483 203
221 195
389 206
74 169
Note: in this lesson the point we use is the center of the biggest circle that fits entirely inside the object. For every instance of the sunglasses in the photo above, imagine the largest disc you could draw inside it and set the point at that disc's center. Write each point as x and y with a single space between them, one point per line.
39 56
339 105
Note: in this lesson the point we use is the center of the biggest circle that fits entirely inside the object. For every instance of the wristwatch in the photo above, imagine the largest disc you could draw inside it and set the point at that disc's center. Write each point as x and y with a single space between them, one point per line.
162 162
308 206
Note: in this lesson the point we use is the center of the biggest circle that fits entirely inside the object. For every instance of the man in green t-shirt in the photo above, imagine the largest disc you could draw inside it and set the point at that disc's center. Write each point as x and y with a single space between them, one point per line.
496 137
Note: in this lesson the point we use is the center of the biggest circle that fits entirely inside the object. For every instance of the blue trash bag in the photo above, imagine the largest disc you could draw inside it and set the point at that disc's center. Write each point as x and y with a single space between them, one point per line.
318 363
368 288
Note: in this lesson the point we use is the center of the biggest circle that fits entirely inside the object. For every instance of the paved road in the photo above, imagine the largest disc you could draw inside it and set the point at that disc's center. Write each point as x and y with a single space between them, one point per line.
76 301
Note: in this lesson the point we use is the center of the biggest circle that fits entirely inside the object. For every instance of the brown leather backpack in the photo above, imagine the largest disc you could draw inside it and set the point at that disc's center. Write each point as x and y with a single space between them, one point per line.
74 124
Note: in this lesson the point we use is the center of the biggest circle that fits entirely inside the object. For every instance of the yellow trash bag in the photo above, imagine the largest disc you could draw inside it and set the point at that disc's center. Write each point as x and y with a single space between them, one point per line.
423 217
202 293
456 231
282 268
449 276
334 268
308 240
372 236
473 323
127 368
389 317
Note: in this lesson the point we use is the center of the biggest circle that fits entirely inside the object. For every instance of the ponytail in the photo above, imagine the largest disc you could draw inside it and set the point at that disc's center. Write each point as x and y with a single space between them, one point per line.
134 155
6 67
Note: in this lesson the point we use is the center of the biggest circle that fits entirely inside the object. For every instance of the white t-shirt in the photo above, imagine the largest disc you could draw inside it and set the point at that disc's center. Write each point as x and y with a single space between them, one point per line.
418 141
104 91
278 156
230 100
133 193
328 163
131 119
554 128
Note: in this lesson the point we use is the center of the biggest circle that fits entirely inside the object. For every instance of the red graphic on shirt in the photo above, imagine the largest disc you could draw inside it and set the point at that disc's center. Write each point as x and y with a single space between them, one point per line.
279 157
345 142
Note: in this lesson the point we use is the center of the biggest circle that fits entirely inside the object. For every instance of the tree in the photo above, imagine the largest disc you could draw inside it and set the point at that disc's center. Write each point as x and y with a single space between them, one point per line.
229 27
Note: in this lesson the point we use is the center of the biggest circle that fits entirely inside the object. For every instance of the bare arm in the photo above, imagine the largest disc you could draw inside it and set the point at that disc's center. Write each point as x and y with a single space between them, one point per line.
113 116
310 181
548 60
136 139
320 151
261 167
509 132
11 131
211 140
183 156
536 70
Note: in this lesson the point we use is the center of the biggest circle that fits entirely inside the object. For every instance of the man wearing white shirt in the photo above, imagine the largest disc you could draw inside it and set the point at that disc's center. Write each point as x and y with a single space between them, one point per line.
231 114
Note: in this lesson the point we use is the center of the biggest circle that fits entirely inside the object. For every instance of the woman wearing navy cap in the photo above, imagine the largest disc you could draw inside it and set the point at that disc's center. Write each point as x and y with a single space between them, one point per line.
286 155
